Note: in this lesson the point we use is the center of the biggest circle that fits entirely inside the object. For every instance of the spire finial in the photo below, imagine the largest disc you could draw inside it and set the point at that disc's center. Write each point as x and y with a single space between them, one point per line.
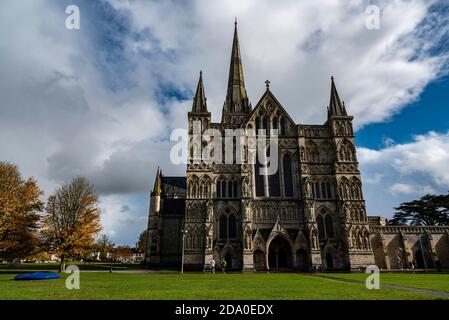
235 21
336 107
236 97
267 83
199 100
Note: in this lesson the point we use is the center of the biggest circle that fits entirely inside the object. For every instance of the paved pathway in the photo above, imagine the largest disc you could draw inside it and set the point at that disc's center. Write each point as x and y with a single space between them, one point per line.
391 286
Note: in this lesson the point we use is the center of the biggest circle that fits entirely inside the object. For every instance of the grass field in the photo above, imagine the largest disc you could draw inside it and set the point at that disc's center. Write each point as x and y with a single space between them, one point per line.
437 282
121 285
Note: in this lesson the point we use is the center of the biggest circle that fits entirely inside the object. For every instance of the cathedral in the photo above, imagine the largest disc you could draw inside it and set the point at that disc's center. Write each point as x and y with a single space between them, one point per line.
307 214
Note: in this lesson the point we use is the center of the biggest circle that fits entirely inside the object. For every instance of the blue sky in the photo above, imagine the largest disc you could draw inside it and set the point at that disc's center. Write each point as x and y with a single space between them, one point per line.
101 101
429 113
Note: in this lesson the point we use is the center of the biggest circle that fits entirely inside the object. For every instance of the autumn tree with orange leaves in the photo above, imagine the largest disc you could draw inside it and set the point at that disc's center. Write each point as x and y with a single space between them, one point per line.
72 221
20 209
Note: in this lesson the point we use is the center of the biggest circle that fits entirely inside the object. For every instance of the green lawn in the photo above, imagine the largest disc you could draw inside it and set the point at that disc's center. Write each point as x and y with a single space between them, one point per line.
437 282
120 285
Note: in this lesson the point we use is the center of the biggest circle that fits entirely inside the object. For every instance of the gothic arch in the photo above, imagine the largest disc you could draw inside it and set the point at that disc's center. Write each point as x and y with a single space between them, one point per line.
259 242
346 151
227 221
280 251
312 152
344 188
355 189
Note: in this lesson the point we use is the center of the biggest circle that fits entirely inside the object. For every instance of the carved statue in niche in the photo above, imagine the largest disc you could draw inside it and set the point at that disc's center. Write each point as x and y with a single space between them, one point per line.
210 210
246 211
248 239
210 237
245 187
308 188
314 239
310 211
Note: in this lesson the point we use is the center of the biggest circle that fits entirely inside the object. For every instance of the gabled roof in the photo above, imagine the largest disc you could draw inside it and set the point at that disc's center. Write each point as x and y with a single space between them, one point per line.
269 95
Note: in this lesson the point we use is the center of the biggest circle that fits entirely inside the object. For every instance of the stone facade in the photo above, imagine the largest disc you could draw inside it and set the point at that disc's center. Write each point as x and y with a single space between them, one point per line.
398 247
310 213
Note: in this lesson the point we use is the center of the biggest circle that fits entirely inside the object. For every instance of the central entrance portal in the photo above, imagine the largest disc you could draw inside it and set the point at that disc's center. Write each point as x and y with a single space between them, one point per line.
280 254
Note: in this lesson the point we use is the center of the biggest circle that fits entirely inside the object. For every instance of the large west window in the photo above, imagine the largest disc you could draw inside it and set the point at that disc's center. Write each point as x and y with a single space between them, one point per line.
228 226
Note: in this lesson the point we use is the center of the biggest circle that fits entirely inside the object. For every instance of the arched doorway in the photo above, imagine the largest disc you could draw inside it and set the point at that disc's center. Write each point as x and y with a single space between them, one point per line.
329 261
259 260
419 258
279 254
228 259
302 260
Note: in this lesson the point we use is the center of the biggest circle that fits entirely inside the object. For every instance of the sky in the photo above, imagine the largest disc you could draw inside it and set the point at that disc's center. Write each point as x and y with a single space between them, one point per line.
102 101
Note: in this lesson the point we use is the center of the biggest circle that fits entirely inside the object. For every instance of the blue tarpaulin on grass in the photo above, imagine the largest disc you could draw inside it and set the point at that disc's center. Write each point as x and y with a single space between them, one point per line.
37 276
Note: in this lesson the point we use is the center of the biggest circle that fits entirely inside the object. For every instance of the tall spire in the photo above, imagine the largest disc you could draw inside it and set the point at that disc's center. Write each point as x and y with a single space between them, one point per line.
336 108
199 101
236 97
157 189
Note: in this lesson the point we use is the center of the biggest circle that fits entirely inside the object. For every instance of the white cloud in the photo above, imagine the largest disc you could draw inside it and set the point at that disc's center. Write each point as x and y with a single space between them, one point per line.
403 172
412 189
298 45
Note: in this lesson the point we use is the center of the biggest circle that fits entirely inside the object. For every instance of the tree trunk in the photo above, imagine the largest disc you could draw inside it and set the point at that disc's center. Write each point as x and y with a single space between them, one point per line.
61 265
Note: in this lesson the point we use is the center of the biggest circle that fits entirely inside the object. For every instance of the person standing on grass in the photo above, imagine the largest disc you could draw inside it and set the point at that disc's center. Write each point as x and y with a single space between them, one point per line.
212 265
223 266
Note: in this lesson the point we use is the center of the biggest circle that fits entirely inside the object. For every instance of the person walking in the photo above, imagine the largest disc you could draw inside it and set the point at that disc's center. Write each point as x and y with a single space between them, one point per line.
223 266
212 265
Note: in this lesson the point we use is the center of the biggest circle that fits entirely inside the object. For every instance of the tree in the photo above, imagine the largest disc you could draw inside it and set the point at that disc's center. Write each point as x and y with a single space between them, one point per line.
73 219
430 210
123 253
104 246
20 209
142 242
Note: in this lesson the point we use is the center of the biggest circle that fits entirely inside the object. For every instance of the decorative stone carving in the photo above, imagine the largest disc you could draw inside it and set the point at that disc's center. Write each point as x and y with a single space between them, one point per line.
210 210
245 187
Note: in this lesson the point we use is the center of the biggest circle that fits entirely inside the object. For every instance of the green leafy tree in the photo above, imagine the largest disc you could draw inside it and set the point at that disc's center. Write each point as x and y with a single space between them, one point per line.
430 210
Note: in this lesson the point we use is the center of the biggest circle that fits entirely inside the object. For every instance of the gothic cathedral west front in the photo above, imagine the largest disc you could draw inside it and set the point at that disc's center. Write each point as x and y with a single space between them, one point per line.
310 213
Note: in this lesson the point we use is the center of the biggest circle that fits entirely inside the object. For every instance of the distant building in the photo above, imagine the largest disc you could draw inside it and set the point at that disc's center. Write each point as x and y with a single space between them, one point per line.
310 213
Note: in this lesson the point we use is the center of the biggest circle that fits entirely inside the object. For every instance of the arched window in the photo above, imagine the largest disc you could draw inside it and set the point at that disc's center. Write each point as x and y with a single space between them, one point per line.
223 188
288 176
259 179
219 191
195 189
274 188
317 191
329 226
230 193
223 227
257 121
320 223
283 132
265 126
232 227
235 188
328 188
323 190
228 226
275 123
